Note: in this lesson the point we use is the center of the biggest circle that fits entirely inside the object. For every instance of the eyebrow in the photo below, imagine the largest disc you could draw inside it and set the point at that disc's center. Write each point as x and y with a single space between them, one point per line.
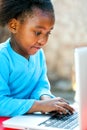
41 27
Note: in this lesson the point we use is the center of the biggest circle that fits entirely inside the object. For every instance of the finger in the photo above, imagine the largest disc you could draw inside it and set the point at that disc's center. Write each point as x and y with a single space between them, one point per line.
43 112
61 109
67 107
63 100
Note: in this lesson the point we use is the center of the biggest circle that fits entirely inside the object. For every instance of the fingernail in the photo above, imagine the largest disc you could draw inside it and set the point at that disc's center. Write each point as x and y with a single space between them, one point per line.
61 113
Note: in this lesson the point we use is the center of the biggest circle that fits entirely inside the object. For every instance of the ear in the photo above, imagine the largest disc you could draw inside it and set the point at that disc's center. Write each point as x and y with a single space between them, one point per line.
13 25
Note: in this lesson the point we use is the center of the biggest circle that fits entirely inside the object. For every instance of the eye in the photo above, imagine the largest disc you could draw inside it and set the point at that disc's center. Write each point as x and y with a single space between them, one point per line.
48 33
37 33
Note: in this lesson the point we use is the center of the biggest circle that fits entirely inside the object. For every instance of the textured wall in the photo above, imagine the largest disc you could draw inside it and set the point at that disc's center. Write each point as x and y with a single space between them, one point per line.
70 31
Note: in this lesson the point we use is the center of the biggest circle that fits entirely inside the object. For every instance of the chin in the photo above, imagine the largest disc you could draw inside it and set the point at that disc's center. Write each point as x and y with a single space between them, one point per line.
32 53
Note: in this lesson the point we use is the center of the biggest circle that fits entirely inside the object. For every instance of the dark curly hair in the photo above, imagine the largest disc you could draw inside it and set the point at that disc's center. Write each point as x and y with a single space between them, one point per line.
18 8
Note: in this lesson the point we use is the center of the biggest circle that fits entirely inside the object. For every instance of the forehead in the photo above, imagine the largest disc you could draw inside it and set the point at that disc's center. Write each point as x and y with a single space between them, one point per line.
40 19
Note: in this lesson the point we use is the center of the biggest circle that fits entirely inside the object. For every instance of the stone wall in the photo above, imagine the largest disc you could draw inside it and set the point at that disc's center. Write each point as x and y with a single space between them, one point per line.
69 32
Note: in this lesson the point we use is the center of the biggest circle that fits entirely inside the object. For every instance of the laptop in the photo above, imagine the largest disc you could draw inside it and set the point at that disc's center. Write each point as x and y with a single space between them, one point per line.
38 121
55 121
81 81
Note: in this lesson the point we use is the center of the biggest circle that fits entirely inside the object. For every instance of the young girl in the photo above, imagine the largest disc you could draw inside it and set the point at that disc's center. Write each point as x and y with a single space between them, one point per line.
24 87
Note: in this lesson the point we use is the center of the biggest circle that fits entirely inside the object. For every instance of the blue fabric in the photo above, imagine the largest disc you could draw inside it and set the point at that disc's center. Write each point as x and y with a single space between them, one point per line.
22 81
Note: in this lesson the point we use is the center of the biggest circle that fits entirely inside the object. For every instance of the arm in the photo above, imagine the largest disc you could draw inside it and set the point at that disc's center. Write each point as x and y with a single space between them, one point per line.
9 104
43 86
46 102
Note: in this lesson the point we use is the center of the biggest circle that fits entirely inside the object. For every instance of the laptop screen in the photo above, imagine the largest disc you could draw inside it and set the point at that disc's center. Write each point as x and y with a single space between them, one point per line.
81 82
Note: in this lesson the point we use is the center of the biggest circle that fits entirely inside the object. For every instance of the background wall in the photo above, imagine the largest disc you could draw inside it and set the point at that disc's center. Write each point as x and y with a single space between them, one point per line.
70 31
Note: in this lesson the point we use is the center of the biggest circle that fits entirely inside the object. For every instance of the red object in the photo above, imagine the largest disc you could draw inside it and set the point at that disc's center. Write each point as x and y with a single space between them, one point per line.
1 125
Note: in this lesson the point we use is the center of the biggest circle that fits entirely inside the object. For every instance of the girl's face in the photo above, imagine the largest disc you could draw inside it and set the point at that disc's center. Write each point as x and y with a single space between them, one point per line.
31 35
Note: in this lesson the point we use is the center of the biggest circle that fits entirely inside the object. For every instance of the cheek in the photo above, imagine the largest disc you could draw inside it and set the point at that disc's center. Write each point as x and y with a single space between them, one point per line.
29 36
29 41
26 36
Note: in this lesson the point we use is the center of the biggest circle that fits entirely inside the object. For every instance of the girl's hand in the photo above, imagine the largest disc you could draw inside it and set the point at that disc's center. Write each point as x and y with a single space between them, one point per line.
58 104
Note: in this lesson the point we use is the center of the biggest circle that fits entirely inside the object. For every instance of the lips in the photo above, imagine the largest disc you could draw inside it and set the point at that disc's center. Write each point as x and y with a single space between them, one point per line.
36 47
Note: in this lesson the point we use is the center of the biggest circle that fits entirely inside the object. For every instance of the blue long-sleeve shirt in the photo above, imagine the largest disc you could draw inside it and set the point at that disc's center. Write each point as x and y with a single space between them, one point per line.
22 81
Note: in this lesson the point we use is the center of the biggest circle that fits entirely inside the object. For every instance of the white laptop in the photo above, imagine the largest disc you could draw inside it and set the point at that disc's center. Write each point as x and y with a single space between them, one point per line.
38 121
81 81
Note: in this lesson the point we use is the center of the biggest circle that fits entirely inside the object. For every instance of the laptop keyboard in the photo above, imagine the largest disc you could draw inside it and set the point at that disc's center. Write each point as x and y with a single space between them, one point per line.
67 121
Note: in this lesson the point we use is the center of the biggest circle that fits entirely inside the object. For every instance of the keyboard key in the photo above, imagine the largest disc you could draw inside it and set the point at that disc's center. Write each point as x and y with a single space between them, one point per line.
67 121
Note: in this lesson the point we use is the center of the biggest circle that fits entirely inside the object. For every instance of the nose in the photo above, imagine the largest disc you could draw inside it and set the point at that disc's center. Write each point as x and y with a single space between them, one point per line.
42 41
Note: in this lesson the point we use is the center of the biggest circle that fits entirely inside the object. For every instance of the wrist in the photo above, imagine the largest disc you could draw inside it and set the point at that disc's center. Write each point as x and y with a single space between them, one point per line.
36 107
45 97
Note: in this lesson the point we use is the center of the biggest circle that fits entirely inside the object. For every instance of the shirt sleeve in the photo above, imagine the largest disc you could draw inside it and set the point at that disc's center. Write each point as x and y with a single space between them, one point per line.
10 106
43 86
